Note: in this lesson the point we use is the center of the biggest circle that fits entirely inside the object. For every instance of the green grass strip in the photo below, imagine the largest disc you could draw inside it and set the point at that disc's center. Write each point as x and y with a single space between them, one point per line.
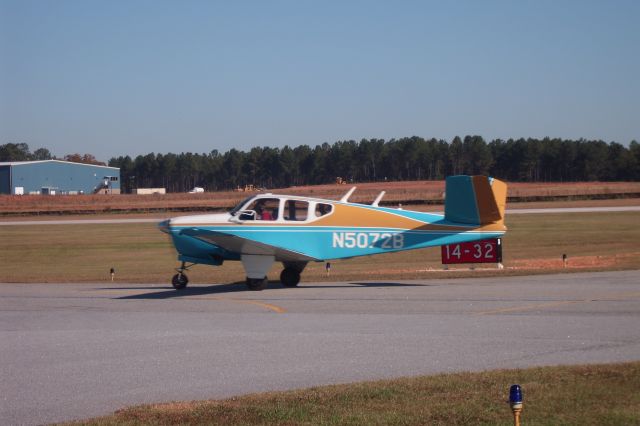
607 394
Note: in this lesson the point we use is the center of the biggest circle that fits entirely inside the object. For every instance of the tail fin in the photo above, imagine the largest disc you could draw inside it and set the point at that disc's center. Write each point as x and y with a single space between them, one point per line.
476 200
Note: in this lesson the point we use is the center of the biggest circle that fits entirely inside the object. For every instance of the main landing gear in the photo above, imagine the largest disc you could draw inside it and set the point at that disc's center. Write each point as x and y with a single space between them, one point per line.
180 280
256 267
257 284
289 277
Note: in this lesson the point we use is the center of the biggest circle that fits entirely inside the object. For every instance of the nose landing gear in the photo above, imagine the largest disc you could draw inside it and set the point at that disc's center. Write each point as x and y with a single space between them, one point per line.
180 280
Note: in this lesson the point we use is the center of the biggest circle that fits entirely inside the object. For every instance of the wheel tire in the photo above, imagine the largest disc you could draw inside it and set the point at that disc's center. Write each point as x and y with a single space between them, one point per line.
289 277
257 284
179 281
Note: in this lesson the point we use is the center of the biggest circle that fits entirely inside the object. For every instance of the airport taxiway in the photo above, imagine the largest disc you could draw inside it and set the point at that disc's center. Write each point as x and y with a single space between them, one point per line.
73 351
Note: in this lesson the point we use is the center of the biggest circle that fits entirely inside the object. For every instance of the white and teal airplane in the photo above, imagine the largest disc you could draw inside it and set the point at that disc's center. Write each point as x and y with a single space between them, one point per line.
294 230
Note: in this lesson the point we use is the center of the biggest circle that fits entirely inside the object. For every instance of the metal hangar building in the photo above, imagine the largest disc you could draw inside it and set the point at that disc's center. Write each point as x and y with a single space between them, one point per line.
52 177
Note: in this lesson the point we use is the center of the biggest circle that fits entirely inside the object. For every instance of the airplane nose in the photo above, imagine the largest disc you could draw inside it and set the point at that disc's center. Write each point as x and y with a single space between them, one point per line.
165 226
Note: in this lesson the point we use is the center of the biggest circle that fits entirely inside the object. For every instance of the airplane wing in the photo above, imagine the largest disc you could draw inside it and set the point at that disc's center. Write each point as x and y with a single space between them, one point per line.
236 244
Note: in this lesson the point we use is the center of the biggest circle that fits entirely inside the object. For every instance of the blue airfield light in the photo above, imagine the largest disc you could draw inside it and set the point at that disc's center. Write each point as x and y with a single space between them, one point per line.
515 400
515 395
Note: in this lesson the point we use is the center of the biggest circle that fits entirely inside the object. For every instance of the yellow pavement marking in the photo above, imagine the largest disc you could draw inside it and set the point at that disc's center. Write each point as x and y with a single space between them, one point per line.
274 308
137 292
604 298
530 307
127 291
269 306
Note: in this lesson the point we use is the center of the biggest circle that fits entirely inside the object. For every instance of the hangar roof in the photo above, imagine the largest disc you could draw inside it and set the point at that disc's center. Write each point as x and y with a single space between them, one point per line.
20 163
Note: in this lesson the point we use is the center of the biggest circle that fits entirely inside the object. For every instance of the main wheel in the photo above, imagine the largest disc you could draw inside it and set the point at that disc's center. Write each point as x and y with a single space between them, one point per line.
179 281
257 284
289 277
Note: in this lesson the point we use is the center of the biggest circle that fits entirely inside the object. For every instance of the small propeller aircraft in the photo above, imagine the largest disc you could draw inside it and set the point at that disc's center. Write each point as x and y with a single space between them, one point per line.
294 230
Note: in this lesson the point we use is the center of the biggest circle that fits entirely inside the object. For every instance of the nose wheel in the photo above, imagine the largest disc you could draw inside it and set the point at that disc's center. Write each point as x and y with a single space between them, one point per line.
180 280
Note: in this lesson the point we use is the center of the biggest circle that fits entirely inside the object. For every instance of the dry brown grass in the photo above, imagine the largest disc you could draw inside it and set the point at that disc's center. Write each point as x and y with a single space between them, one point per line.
422 192
141 253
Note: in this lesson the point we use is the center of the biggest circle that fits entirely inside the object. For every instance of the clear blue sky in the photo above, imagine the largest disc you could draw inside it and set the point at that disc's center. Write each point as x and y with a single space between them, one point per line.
132 77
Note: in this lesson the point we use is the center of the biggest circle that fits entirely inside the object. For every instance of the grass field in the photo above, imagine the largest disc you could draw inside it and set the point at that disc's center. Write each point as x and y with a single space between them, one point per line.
425 192
141 253
584 395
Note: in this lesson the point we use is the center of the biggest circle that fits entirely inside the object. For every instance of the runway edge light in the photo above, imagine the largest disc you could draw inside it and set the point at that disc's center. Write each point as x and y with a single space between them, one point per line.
515 400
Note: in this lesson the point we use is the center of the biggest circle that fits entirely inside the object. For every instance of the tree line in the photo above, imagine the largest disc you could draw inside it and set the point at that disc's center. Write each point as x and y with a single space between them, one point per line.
369 160
414 158
21 152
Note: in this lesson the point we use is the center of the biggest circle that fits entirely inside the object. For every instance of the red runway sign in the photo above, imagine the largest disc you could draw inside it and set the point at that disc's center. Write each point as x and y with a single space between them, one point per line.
485 251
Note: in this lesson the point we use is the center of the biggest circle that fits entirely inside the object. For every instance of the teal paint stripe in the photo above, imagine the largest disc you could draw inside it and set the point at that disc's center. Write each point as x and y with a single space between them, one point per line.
460 201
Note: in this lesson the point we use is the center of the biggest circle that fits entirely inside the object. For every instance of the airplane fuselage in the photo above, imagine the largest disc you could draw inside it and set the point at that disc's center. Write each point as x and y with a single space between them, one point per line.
295 230
326 238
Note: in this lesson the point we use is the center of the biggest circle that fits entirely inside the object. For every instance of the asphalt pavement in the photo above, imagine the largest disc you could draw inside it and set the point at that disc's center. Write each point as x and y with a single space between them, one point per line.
71 351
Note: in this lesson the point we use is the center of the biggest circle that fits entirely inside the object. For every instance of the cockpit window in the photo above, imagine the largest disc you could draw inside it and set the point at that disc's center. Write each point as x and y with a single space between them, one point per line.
296 210
237 208
322 209
264 208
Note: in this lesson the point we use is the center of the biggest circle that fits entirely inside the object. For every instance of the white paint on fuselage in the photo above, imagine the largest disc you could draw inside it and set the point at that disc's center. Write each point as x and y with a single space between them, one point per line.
201 219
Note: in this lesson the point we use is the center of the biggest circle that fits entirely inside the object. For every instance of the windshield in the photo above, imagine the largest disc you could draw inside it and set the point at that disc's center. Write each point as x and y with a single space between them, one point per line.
237 208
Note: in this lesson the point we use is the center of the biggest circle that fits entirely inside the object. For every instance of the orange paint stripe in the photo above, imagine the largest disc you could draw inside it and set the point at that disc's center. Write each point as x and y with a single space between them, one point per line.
499 189
274 308
487 208
531 307
346 215
269 306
